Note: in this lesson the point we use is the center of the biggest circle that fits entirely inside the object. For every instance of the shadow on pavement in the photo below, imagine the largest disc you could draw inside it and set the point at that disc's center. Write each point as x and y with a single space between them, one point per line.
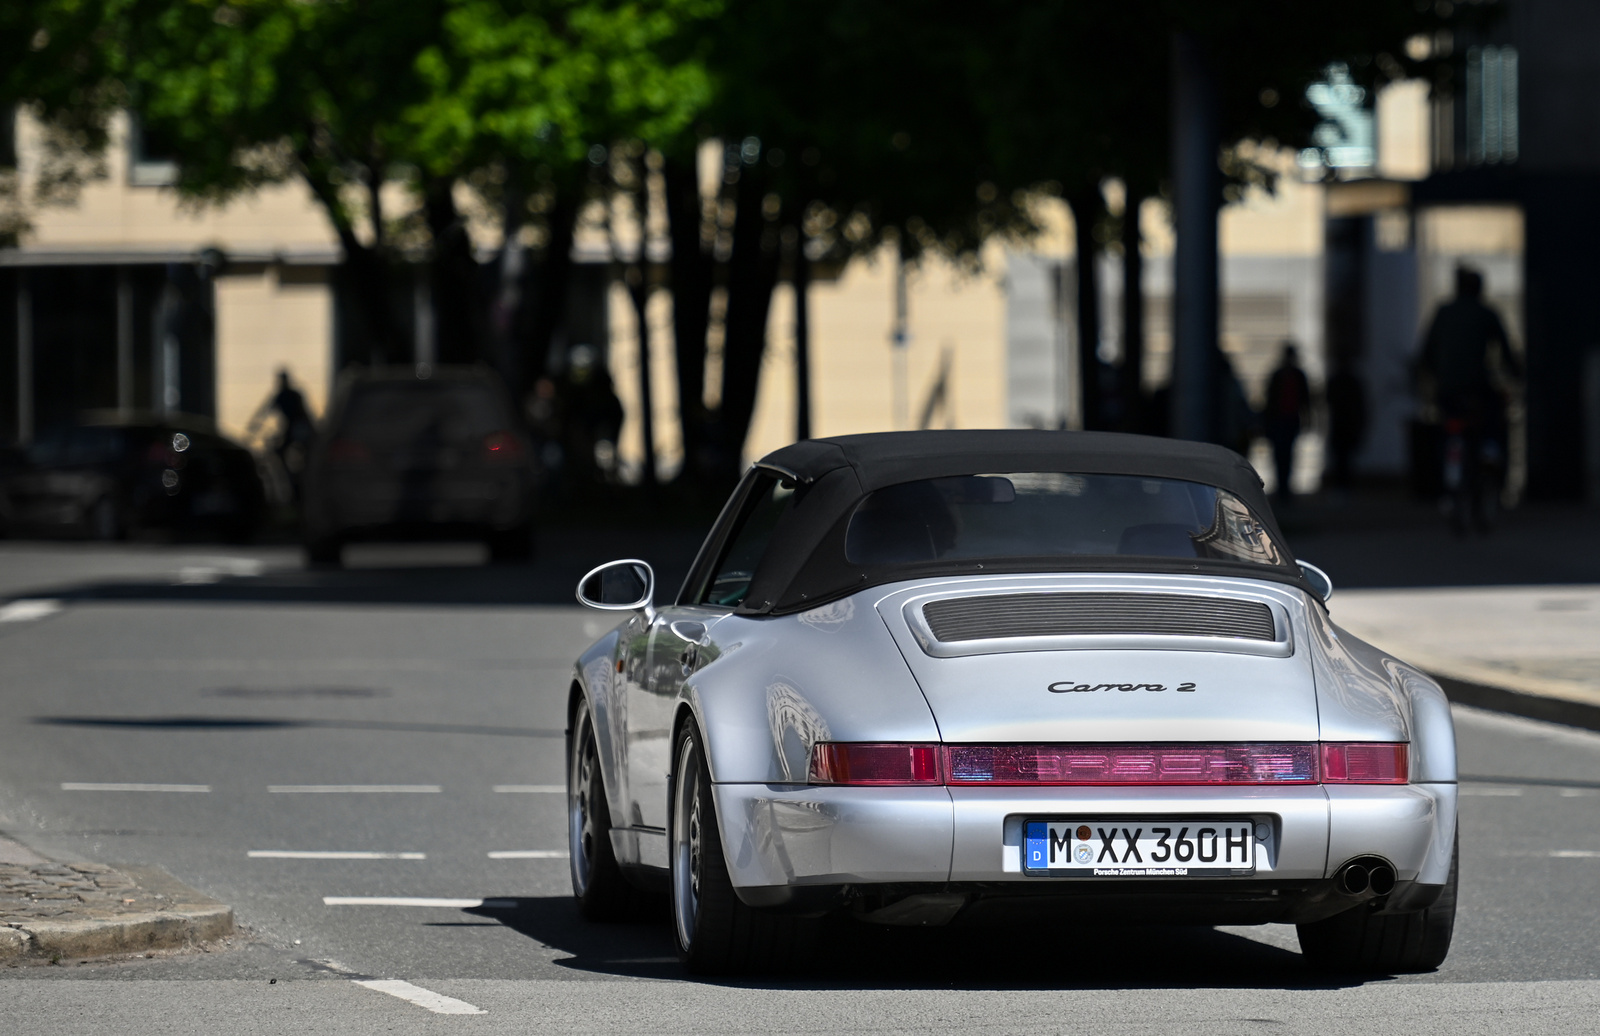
564 556
1391 540
852 955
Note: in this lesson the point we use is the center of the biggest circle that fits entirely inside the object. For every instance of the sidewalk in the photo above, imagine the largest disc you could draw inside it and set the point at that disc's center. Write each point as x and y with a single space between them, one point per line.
1508 621
1530 650
50 911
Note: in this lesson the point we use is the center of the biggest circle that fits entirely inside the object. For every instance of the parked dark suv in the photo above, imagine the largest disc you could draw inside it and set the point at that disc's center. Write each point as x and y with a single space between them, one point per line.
110 473
411 456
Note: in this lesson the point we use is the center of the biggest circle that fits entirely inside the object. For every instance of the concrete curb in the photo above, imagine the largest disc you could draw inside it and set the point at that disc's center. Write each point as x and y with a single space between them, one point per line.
1520 703
191 918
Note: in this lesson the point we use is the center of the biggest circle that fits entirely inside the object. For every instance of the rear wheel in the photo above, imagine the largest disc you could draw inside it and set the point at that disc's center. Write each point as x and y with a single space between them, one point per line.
1362 941
602 892
716 933
323 550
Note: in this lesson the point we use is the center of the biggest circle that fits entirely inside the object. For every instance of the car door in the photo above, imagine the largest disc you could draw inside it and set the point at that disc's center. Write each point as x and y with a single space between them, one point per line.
672 655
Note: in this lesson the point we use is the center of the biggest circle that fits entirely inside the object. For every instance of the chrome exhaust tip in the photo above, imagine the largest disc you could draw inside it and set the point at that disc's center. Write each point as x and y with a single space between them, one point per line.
1381 879
1354 879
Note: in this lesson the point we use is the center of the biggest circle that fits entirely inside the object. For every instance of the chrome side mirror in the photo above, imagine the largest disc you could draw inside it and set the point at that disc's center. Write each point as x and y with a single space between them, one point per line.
620 586
1318 579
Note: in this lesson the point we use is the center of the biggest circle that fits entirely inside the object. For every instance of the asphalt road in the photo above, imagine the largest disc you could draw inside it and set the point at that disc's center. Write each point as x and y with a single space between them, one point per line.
453 705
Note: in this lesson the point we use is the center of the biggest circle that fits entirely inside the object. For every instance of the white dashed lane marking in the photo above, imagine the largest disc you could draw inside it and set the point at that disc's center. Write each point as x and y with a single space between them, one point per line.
438 1003
420 901
1575 854
329 854
85 786
531 789
529 854
29 610
354 789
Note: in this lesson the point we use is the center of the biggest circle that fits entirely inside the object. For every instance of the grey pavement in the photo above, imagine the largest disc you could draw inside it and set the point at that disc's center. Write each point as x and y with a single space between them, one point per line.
257 698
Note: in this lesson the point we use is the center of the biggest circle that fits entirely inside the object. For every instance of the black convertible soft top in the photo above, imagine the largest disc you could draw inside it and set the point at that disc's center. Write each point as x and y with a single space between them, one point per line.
805 565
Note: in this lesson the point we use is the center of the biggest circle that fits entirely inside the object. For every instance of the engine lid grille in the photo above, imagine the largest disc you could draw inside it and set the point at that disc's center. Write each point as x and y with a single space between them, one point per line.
1000 616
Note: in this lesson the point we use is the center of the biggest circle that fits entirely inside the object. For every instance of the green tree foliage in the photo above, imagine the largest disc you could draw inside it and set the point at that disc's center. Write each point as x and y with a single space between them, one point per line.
844 125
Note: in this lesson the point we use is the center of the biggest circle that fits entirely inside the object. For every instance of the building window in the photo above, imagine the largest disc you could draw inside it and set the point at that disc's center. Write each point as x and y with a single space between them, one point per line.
1491 105
152 162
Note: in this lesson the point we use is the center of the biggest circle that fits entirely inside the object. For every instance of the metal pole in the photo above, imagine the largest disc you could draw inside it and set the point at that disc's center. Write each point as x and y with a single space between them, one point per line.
423 345
802 336
24 358
1196 190
647 417
898 342
124 340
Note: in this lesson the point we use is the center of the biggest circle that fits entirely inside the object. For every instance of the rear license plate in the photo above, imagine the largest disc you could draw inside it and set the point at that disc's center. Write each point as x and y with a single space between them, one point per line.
1139 848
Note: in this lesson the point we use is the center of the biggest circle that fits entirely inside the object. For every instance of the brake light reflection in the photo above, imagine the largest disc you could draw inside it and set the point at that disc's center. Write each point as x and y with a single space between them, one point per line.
1107 765
501 446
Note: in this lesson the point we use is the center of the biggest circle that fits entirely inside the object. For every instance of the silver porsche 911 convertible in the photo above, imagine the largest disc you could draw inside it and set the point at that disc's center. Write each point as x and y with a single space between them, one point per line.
933 677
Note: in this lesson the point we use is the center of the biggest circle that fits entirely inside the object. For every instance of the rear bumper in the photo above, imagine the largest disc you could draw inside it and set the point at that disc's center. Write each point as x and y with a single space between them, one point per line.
484 500
777 836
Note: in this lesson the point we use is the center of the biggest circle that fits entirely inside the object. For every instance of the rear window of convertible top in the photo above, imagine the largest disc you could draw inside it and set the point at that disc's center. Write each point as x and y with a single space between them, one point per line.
1054 514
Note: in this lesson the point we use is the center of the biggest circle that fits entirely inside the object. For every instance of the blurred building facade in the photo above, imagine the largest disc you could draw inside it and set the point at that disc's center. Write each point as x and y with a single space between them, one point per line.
130 298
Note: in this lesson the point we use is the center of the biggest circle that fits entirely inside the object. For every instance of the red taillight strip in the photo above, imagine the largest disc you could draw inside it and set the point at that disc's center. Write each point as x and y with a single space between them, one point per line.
880 764
1111 765
1365 763
1092 765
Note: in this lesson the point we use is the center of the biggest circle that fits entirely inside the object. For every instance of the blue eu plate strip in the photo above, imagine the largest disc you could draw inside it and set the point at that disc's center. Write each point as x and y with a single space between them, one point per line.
1035 845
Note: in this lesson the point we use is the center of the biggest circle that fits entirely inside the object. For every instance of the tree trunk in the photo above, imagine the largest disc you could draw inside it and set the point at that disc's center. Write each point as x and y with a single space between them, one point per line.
458 303
1087 206
752 276
801 279
1133 311
364 272
639 292
506 304
691 307
1196 193
552 278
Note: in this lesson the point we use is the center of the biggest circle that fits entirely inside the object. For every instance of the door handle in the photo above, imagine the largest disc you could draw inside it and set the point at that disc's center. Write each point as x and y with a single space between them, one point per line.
689 658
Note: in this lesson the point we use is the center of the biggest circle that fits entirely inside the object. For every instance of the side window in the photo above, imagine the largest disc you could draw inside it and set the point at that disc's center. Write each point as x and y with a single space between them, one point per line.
767 503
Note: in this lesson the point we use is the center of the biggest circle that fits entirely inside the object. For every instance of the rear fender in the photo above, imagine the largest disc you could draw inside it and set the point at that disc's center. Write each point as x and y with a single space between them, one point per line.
773 687
1357 700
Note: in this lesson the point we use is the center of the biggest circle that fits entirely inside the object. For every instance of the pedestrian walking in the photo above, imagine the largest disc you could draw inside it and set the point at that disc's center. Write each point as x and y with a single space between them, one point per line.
1465 343
1287 406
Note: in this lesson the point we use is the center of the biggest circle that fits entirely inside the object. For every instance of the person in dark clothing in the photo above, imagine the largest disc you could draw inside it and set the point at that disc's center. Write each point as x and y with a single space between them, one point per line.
1347 420
1287 406
295 429
1465 338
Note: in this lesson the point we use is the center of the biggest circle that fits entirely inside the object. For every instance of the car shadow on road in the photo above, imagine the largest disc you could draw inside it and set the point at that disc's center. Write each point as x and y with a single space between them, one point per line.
1049 953
275 576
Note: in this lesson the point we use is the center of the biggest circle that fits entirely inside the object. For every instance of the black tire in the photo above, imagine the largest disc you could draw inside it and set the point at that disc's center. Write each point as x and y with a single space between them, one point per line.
104 521
324 551
1365 942
717 934
598 884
